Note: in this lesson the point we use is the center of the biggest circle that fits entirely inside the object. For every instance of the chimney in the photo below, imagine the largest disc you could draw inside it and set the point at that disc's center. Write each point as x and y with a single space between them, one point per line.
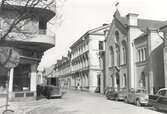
132 19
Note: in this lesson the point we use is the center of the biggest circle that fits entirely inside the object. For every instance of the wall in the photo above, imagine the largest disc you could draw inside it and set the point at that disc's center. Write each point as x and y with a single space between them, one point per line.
158 67
110 41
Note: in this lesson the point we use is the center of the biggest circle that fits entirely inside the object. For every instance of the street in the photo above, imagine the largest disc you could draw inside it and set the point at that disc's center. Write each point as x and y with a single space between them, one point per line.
74 102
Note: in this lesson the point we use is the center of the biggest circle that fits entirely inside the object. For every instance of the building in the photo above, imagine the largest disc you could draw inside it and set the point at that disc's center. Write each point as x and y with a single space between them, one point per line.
164 30
28 41
84 71
134 53
48 74
63 71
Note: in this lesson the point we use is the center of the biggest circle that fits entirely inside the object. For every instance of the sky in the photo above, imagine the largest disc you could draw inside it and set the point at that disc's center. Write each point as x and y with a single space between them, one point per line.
79 16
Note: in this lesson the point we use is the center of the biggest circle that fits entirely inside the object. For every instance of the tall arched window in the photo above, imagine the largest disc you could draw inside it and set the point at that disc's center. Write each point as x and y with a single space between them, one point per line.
118 80
111 56
124 80
124 52
118 54
142 80
117 37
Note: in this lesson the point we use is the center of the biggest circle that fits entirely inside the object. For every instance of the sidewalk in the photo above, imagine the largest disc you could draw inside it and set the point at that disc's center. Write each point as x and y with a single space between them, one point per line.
23 107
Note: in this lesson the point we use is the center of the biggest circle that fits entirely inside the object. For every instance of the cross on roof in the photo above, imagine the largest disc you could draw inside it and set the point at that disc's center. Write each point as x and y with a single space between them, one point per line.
116 5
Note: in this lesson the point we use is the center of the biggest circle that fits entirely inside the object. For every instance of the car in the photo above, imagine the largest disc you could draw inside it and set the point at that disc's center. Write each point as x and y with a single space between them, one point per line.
121 94
159 100
49 91
137 96
53 91
111 94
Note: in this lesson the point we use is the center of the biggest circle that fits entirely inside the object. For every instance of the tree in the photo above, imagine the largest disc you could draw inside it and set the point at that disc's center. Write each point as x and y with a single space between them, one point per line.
23 17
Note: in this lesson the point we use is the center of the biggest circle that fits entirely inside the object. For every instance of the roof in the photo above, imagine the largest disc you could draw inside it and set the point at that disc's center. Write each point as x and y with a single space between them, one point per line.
162 89
92 31
143 24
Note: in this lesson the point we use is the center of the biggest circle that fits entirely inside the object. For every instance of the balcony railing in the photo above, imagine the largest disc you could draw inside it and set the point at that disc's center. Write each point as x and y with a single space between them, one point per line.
29 37
42 4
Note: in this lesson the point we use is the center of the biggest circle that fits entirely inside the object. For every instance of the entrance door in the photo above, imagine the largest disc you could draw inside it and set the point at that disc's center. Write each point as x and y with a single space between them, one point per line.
98 83
118 81
21 80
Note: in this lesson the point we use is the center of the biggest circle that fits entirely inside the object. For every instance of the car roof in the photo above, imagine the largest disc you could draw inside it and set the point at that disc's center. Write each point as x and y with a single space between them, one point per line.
163 89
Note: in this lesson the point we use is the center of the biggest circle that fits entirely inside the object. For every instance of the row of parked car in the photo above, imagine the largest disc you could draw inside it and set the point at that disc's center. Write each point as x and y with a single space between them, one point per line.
49 91
140 97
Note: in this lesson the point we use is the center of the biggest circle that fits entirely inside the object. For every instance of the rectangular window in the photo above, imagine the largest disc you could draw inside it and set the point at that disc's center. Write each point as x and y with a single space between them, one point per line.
141 54
145 53
101 45
138 55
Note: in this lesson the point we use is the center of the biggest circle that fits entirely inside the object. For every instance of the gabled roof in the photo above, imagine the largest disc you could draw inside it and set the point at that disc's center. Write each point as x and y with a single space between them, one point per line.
143 24
92 31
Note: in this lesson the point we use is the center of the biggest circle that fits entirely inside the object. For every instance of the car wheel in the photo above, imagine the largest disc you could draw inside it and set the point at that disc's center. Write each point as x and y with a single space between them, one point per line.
126 100
138 103
156 108
116 98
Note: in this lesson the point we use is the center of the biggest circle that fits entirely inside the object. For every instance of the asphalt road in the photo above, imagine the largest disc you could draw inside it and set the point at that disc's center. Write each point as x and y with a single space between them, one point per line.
87 103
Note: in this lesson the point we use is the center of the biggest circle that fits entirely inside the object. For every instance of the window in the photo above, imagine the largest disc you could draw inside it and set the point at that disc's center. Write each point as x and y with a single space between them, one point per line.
144 49
101 45
111 57
141 54
117 37
118 54
142 81
124 51
124 80
42 26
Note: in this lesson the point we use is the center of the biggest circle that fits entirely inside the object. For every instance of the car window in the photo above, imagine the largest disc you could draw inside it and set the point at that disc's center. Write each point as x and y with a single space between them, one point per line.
132 90
140 91
165 93
162 93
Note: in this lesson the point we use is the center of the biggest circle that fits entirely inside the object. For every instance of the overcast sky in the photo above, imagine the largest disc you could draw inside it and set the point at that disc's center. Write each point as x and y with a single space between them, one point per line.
80 16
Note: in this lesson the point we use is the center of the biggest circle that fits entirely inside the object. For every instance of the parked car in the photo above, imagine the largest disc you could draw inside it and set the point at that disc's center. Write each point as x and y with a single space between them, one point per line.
110 93
159 100
49 91
53 91
121 94
138 97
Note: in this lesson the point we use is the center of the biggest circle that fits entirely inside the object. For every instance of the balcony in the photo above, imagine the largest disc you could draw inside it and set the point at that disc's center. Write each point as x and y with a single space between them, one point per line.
29 40
43 8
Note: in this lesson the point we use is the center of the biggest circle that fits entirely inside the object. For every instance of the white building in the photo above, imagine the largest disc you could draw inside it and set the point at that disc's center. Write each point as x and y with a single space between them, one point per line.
85 62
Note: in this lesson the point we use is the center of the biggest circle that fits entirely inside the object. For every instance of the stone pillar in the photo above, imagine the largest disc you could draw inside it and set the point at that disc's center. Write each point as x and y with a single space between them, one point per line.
33 80
101 82
165 65
92 80
133 32
165 56
153 42
11 74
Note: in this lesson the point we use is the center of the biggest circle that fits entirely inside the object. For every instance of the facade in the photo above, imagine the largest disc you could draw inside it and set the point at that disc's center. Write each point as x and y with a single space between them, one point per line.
164 30
63 71
29 43
82 70
134 54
